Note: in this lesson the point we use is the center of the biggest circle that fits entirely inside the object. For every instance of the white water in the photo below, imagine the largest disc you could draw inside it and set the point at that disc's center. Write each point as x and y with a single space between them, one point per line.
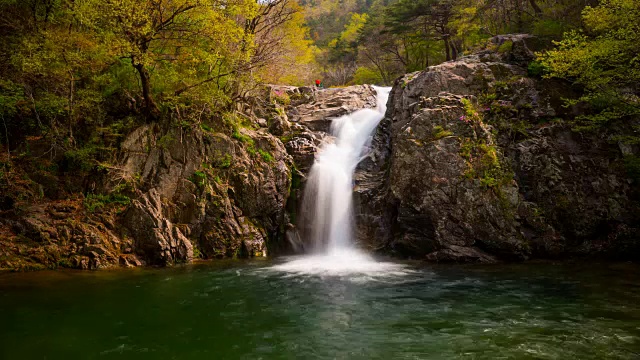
327 222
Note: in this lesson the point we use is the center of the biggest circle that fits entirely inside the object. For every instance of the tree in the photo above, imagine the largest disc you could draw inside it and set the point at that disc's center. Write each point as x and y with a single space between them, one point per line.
604 59
283 51
432 18
206 35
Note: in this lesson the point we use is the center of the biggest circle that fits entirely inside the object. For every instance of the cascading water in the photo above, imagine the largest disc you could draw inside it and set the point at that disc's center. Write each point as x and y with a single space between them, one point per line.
327 212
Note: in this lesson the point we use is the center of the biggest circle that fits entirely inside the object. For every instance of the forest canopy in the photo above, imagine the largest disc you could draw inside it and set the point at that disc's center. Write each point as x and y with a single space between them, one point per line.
364 41
69 67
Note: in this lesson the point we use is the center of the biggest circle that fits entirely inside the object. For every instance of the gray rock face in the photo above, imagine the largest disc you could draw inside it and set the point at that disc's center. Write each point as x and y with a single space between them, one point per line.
205 190
311 112
582 190
328 104
462 170
156 238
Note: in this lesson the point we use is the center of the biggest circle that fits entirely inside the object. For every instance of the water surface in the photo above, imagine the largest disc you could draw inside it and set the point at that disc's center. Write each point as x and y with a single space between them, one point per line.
253 310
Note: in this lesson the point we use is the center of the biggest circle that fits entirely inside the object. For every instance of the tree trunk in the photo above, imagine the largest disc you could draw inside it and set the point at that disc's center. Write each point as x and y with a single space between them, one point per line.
447 48
536 8
454 49
151 110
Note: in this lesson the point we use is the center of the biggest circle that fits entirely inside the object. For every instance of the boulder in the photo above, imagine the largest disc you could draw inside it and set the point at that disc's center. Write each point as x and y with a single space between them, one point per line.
468 165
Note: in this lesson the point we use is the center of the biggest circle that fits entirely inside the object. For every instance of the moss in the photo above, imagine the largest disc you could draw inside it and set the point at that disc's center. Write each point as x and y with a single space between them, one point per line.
280 111
197 254
439 132
290 136
199 178
483 163
266 156
65 263
471 111
224 163
206 128
506 47
280 97
93 202
165 141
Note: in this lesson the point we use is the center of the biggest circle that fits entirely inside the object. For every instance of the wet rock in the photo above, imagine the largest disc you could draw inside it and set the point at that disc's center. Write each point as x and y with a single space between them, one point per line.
460 254
329 104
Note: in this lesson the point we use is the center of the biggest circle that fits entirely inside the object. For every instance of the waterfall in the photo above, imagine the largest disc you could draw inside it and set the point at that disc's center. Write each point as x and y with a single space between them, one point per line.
327 222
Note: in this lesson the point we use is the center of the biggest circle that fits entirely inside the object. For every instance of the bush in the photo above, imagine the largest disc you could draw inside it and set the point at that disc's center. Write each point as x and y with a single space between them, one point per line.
94 202
536 69
365 75
632 165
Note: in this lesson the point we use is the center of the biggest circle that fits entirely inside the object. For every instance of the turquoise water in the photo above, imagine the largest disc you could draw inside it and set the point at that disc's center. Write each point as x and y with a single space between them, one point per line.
247 310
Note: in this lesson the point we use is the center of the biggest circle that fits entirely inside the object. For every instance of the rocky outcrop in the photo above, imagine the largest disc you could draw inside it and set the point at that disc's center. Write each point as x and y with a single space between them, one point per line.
59 234
174 193
469 165
328 104
309 112
224 196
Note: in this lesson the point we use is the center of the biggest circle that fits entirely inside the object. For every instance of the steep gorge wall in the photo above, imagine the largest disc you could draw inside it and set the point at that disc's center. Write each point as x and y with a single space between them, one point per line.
471 163
194 192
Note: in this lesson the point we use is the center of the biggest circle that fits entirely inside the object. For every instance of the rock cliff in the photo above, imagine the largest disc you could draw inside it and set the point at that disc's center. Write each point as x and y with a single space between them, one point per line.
474 163
174 194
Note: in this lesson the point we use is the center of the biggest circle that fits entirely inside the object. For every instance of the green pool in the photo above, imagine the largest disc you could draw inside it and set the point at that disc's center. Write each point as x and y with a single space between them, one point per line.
251 310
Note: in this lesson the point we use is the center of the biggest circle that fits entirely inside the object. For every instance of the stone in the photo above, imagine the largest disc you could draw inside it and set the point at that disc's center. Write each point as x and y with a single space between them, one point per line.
418 193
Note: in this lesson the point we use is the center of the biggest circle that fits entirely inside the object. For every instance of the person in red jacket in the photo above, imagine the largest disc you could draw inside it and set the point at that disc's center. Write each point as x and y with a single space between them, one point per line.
317 83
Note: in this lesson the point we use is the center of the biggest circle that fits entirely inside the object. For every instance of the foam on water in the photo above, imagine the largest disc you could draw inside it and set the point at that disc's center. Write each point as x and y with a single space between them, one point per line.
346 262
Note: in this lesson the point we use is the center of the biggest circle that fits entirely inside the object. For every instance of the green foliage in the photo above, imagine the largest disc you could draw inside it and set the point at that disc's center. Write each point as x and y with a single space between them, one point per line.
632 165
266 156
197 254
206 127
242 137
280 97
93 202
11 96
401 36
536 69
506 47
604 60
550 27
82 159
483 163
81 74
367 75
251 149
225 162
471 111
439 132
199 178
165 141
